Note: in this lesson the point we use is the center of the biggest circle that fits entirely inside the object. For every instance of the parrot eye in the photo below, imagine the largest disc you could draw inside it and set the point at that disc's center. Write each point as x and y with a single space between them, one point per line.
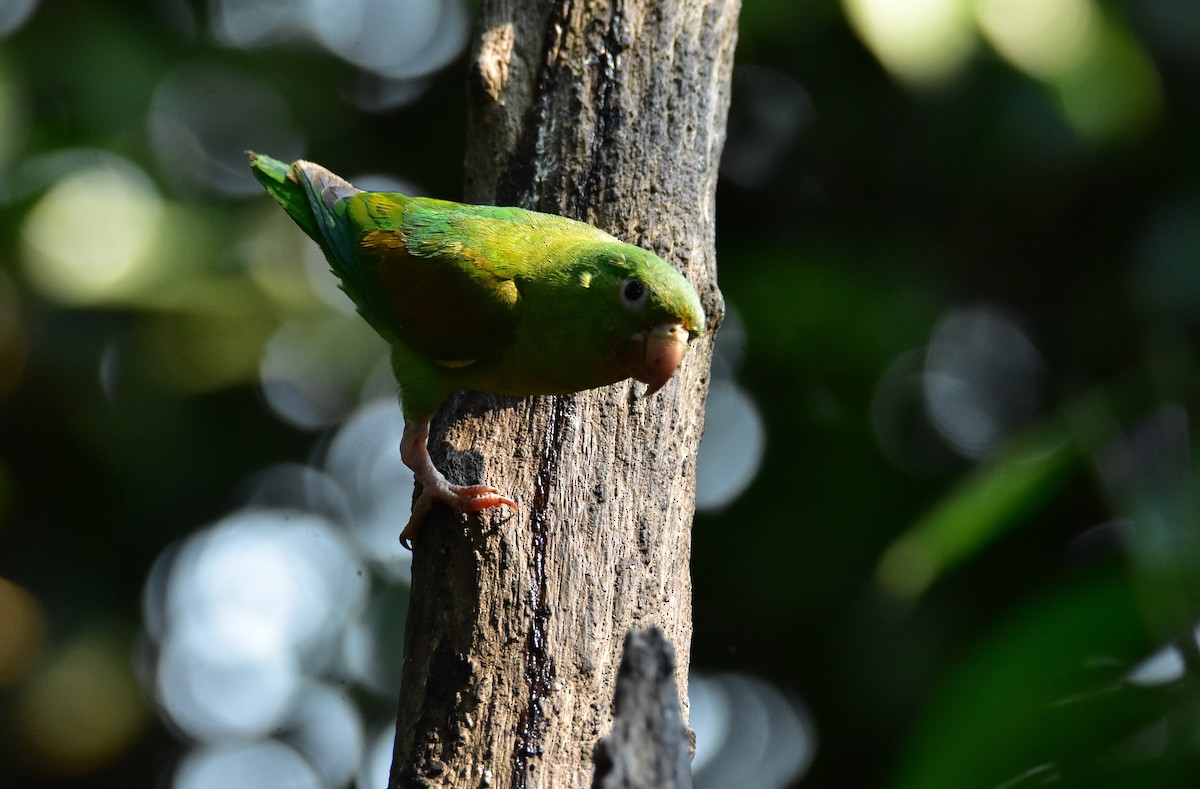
634 293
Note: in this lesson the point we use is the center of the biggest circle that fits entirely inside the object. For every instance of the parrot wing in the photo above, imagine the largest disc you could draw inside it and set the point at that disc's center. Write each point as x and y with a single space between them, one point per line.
407 263
444 296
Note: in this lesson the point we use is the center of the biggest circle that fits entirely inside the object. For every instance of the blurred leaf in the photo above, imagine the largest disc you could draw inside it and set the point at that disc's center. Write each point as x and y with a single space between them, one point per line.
990 501
1114 94
1042 692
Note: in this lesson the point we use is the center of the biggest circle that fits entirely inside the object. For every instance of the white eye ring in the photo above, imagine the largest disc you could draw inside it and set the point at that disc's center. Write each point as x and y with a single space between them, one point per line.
634 293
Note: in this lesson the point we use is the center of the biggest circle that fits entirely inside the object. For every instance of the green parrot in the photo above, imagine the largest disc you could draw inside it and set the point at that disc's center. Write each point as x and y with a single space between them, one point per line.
490 299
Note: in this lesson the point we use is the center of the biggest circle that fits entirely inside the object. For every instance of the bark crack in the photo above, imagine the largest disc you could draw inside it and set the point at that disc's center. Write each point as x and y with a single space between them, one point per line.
608 42
521 179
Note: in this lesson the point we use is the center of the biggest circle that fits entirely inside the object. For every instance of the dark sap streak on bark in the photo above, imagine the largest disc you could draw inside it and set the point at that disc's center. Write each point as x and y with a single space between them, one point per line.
539 666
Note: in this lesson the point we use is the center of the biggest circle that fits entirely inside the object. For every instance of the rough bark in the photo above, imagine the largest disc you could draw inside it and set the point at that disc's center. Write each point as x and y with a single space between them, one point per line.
649 746
611 111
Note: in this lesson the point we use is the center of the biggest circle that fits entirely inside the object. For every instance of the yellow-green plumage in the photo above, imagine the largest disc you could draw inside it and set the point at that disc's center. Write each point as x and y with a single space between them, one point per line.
492 299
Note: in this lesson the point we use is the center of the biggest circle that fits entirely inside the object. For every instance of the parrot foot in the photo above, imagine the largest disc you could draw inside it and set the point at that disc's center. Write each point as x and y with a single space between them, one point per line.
463 498
434 487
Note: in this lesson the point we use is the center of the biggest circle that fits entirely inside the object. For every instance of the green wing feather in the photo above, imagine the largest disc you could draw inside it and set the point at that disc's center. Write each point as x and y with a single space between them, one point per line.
438 295
414 280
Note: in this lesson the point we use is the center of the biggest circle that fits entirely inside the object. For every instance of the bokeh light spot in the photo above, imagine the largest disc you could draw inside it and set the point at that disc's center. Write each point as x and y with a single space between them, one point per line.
923 42
372 649
306 360
262 582
260 765
395 44
85 239
399 40
82 708
377 765
209 333
1163 667
735 437
250 23
364 457
203 117
900 421
982 380
1105 83
1044 39
1114 93
237 610
326 727
749 734
221 697
22 630
14 14
732 448
769 110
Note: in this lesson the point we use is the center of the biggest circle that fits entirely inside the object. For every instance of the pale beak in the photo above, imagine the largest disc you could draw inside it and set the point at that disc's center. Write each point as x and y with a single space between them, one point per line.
664 347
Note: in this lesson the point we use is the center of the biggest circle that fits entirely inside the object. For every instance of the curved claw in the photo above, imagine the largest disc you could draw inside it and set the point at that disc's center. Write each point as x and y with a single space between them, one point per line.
477 498
464 498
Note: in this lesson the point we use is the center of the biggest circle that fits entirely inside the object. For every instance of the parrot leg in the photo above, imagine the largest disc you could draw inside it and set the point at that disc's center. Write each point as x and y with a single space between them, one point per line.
435 488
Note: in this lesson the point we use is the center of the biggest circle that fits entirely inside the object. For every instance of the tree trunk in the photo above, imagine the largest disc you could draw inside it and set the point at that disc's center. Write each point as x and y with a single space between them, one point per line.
610 111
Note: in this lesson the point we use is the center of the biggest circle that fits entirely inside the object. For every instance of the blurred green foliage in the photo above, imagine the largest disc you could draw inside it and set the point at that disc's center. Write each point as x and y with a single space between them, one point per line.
951 618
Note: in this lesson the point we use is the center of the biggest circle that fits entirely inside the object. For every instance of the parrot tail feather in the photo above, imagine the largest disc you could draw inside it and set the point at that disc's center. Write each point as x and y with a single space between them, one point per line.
326 186
276 177
312 196
324 190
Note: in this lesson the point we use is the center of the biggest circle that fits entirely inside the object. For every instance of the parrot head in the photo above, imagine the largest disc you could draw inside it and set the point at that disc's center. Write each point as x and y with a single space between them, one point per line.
659 311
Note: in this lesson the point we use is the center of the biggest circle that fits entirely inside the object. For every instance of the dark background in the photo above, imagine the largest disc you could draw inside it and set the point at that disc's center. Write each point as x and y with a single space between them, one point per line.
964 291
